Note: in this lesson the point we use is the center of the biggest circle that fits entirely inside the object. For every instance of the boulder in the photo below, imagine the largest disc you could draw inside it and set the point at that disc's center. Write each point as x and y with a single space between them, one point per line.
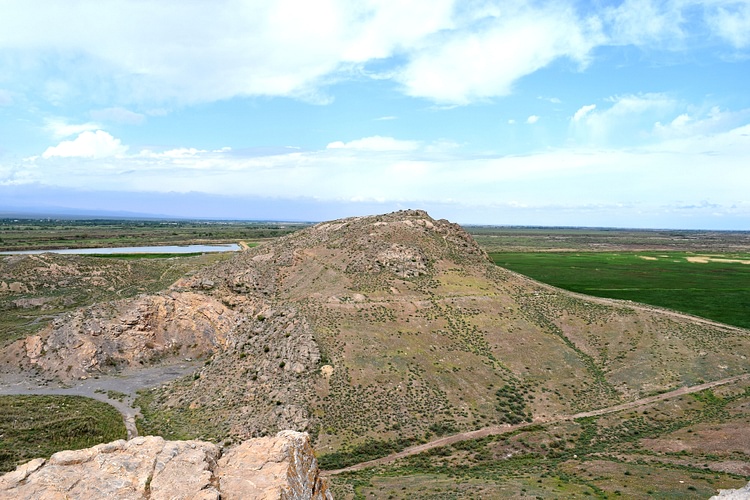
279 467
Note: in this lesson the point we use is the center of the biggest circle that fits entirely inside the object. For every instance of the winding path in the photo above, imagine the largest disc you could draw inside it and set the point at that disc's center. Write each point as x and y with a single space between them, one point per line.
502 429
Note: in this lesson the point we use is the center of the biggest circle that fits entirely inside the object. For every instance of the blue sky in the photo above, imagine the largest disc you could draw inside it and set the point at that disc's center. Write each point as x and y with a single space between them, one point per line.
579 113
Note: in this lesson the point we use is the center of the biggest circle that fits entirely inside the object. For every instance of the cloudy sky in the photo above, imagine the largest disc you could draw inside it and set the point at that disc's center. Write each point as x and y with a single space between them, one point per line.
630 113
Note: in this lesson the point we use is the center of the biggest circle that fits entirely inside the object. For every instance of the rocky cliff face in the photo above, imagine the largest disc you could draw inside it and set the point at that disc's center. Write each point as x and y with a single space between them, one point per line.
280 467
130 333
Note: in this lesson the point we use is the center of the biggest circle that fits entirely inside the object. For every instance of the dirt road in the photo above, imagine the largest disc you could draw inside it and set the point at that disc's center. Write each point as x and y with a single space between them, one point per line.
502 429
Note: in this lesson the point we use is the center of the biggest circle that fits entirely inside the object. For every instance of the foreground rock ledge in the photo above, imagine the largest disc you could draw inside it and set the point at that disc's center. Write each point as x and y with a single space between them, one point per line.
280 467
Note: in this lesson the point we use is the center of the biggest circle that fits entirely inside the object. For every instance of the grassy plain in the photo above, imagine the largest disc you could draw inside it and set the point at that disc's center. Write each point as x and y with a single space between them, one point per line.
48 234
38 426
715 286
538 239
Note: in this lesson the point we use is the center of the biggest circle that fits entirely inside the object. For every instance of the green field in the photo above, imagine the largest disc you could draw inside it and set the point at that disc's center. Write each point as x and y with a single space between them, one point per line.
717 287
37 426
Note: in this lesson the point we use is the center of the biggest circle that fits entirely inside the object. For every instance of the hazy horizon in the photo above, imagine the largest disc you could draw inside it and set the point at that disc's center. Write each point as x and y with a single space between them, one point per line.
63 213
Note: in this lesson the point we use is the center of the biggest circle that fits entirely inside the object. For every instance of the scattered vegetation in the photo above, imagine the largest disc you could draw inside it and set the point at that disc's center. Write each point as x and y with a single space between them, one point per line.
37 426
379 336
53 233
627 455
512 405
36 288
363 452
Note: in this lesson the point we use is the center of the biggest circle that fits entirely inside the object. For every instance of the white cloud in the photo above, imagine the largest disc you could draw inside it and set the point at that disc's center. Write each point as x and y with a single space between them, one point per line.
628 121
375 143
647 119
553 100
732 22
201 52
60 128
118 115
678 171
88 144
483 60
182 153
701 123
644 22
447 51
672 23
583 111
532 119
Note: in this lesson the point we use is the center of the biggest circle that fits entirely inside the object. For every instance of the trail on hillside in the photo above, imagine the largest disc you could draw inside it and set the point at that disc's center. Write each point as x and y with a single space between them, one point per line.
502 429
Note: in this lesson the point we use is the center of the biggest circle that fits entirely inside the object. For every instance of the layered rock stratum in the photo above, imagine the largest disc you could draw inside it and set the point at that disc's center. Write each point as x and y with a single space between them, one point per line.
279 467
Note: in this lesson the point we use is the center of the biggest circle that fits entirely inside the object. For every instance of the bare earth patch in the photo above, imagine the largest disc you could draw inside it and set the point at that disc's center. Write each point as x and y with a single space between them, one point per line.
707 438
705 259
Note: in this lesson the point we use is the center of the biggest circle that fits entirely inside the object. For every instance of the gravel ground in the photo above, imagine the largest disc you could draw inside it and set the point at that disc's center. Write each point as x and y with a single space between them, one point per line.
128 383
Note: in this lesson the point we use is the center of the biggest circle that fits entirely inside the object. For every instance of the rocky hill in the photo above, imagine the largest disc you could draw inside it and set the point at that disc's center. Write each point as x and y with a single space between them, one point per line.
389 327
397 325
281 467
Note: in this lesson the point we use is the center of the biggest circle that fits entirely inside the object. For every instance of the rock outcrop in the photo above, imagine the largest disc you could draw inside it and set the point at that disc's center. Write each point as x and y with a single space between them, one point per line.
129 333
738 494
280 467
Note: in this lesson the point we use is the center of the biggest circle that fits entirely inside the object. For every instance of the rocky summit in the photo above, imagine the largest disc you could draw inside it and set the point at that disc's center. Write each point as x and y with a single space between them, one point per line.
279 467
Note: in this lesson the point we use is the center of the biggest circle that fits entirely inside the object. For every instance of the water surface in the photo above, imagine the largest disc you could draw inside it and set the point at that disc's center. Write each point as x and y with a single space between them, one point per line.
233 247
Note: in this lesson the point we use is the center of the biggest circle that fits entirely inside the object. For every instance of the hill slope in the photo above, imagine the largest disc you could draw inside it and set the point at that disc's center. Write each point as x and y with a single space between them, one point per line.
397 325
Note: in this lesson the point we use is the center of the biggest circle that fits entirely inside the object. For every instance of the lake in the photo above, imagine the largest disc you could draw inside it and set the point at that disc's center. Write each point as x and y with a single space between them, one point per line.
233 247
